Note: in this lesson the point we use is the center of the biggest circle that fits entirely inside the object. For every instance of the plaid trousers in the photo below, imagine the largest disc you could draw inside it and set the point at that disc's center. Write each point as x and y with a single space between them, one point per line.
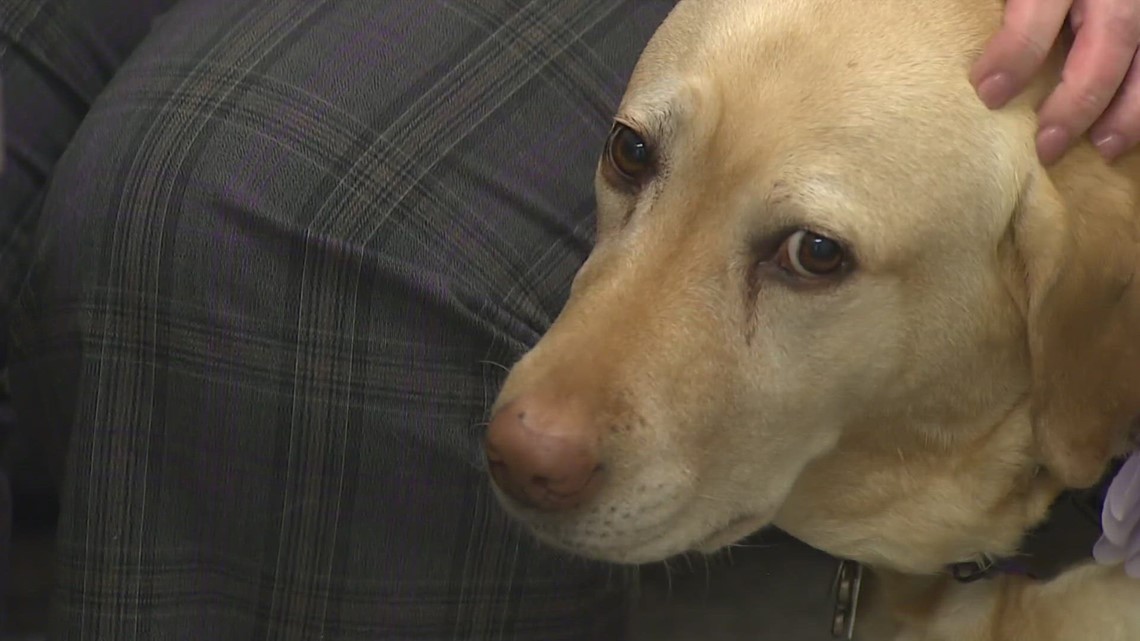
272 287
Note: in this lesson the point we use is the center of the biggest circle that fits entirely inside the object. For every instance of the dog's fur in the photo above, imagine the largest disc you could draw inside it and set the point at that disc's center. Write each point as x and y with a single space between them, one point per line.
980 354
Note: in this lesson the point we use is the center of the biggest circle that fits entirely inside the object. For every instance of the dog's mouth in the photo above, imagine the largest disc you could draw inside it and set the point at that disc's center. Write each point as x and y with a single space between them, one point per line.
655 518
647 544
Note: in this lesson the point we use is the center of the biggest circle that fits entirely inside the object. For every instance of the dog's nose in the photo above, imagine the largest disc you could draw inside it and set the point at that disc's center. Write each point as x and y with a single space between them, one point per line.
542 457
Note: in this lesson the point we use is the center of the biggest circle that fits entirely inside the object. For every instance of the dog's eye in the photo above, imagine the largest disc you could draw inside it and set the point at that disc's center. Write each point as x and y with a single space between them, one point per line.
810 255
629 154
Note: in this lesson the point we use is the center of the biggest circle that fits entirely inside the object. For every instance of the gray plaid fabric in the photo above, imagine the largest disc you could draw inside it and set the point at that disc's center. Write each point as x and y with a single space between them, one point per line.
55 58
275 279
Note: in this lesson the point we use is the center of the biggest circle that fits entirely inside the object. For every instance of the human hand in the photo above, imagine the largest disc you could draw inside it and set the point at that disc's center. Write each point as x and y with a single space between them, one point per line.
1120 520
1099 90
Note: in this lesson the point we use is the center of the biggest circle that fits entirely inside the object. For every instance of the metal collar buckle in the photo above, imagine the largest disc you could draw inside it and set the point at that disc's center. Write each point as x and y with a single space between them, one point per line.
970 571
848 583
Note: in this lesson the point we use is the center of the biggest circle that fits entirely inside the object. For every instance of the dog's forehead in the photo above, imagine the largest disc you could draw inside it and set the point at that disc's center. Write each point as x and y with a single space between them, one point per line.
887 27
862 102
816 63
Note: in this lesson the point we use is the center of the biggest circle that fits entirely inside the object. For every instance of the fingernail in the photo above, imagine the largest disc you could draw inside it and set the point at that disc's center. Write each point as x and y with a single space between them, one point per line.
996 90
1051 143
1109 144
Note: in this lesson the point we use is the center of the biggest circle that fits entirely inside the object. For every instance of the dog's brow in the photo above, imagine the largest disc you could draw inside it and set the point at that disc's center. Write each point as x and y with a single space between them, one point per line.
779 196
653 124
814 202
654 115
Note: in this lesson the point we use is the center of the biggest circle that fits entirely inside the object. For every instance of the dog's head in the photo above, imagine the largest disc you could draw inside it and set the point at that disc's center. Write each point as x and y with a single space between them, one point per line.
830 290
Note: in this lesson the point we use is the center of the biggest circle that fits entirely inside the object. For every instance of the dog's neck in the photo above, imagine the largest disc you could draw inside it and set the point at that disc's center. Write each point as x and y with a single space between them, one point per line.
934 506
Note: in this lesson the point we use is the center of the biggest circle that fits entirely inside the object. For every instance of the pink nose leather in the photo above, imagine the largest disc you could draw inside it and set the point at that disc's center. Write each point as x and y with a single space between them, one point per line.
543 458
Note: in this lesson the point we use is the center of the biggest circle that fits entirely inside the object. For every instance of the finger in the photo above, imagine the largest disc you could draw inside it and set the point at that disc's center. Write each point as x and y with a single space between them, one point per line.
1118 529
1124 491
1097 63
1118 130
1106 552
1016 51
1132 565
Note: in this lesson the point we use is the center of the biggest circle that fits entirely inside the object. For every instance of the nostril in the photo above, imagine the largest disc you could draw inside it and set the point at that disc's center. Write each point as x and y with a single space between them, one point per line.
540 478
566 485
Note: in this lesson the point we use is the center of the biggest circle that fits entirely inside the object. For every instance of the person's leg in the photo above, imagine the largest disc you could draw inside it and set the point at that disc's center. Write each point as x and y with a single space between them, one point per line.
282 265
55 58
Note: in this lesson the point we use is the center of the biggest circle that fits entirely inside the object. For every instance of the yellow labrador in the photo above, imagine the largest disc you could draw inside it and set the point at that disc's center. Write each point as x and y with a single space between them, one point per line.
834 293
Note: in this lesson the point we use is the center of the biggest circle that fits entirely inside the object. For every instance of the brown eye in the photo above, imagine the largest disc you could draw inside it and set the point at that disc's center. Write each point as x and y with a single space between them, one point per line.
810 255
629 154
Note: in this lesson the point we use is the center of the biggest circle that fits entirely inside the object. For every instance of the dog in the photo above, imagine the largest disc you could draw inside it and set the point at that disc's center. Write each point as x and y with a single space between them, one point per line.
832 292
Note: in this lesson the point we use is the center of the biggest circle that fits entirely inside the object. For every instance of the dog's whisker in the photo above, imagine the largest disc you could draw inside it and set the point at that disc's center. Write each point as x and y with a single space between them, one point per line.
710 497
752 546
668 579
708 575
495 364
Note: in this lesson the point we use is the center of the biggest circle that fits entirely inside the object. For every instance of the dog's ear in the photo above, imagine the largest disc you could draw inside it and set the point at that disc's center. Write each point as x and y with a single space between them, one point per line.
1080 255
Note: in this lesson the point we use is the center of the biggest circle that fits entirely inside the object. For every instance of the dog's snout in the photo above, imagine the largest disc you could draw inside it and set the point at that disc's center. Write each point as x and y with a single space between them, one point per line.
544 456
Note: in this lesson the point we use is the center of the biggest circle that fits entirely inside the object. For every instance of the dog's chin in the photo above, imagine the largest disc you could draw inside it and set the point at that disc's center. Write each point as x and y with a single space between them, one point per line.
655 549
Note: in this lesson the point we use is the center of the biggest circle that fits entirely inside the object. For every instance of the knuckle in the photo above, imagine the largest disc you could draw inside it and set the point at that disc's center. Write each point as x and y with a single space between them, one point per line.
1088 92
1031 45
1090 99
1076 109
